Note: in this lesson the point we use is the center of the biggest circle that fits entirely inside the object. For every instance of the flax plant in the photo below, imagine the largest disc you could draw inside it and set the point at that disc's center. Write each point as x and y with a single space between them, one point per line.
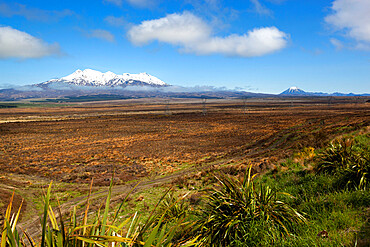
103 230
349 161
240 213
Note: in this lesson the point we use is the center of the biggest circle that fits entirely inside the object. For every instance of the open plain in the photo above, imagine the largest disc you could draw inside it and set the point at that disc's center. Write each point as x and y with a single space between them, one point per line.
153 139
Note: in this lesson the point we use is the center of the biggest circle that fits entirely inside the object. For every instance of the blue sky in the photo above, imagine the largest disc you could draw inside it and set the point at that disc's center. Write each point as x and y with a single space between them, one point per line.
258 45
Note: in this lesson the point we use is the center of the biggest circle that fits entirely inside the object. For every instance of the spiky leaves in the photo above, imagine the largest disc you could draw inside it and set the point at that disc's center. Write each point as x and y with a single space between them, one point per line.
349 160
238 212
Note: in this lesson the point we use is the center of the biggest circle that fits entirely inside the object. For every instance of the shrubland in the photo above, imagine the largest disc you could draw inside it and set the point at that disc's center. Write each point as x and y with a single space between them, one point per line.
318 197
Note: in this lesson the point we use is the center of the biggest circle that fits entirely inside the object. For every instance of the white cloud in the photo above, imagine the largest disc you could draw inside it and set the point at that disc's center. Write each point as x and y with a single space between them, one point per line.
352 17
18 44
260 9
193 35
174 29
101 34
257 42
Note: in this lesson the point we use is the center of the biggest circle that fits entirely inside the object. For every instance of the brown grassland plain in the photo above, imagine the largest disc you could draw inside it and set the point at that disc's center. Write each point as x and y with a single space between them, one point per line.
145 139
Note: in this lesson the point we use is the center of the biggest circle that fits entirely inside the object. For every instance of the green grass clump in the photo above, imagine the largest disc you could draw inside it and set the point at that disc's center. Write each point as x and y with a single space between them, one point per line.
173 208
242 213
349 160
338 212
103 230
333 202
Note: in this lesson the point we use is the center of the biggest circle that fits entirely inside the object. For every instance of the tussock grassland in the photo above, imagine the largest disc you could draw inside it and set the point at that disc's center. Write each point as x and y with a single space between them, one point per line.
273 176
299 204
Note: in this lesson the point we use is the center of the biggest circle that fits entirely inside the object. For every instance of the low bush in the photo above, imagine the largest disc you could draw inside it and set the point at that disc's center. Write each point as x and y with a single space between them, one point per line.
103 230
172 207
349 161
241 213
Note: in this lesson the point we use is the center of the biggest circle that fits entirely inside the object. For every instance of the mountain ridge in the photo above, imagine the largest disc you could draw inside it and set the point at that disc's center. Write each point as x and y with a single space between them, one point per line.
93 78
90 82
295 91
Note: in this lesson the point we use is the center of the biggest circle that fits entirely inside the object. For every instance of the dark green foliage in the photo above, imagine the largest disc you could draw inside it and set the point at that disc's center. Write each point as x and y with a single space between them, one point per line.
172 207
103 231
357 198
349 161
338 156
241 213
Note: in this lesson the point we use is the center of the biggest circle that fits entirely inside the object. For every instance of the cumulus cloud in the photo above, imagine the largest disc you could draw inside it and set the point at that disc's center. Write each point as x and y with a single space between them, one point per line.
257 42
10 10
174 29
101 34
193 35
352 17
18 44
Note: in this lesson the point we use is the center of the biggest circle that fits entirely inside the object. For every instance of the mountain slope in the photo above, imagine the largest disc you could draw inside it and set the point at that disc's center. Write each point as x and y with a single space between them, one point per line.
294 91
93 78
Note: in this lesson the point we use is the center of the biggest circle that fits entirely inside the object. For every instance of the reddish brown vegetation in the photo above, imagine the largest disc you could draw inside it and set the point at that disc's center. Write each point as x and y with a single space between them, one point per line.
99 140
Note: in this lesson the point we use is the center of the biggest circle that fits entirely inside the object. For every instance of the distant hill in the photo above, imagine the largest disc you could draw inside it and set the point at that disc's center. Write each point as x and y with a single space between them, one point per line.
295 91
90 85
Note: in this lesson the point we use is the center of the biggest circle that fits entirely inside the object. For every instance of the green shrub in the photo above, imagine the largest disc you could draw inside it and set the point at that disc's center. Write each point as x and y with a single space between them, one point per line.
241 213
172 207
349 161
104 230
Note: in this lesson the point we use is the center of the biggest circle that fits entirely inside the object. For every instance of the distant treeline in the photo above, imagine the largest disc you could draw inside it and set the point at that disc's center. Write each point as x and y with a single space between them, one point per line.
104 97
8 105
100 97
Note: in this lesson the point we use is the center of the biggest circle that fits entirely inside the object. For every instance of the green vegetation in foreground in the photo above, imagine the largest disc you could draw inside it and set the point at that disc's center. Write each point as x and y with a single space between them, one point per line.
320 200
336 201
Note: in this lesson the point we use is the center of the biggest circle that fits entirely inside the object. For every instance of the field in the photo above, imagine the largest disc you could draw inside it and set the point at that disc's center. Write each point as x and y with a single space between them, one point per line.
152 139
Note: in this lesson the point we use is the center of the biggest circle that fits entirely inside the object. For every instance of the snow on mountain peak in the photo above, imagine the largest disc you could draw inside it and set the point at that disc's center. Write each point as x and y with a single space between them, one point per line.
89 77
294 91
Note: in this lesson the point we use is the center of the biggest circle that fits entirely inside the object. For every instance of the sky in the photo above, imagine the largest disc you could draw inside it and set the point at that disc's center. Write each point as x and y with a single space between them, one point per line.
263 46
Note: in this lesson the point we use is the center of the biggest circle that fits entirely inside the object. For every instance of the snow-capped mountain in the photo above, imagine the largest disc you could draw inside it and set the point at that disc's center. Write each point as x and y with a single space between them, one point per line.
293 91
93 78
